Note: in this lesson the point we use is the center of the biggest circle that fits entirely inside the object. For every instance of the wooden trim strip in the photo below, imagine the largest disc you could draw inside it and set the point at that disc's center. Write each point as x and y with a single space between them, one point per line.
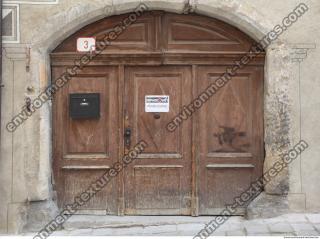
157 156
63 59
121 119
86 167
158 166
229 155
85 156
195 151
224 165
116 54
1 85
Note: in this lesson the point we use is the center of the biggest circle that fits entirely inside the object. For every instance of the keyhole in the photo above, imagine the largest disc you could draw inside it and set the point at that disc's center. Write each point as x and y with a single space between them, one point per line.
156 116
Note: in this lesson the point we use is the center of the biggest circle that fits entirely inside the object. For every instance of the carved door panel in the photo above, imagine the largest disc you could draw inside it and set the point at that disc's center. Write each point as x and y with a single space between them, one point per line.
230 137
85 148
159 180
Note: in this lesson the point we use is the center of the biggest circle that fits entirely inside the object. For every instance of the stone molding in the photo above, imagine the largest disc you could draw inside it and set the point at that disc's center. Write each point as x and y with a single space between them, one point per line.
32 1
300 51
15 51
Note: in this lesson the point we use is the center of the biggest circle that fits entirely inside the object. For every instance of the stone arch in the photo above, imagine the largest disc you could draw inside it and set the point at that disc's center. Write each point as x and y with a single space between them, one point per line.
235 13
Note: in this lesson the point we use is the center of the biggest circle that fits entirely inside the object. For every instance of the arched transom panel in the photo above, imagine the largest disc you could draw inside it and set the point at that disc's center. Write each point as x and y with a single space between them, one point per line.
165 32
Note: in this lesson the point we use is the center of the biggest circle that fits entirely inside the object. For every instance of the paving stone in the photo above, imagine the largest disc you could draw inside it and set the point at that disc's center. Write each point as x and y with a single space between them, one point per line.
236 233
314 218
128 231
27 234
295 217
258 234
283 234
273 220
187 233
221 228
301 226
103 232
217 233
162 234
317 226
136 231
160 229
281 227
231 227
254 221
81 232
190 227
307 233
60 233
256 228
235 219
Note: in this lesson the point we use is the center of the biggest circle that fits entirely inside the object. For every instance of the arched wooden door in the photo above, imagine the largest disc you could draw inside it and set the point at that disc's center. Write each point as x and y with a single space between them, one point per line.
198 168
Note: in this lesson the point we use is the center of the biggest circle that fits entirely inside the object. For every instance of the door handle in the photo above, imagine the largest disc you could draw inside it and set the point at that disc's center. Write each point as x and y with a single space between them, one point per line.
127 137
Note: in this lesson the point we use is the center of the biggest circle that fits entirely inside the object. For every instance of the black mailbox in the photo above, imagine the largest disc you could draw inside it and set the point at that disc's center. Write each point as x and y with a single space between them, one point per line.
84 106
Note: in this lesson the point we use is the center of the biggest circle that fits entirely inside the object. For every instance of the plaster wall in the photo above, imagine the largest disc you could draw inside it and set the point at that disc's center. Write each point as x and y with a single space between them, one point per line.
291 85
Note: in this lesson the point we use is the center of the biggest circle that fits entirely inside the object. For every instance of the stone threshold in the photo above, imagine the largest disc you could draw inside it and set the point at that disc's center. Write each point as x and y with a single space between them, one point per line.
107 221
294 224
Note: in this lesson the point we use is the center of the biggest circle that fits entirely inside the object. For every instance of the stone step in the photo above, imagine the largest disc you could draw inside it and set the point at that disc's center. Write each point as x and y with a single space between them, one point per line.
95 221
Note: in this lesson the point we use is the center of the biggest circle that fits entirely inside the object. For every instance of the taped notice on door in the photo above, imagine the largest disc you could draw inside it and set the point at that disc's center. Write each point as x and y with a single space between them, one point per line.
156 103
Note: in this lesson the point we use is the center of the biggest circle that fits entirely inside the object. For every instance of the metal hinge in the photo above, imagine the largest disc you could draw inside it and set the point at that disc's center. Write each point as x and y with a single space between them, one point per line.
28 59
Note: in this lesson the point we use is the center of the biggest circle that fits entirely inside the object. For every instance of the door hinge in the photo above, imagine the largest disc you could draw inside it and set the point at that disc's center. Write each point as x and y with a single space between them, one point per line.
28 59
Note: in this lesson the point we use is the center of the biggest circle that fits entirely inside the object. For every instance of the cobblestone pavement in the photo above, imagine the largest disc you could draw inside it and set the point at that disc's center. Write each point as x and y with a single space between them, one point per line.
285 225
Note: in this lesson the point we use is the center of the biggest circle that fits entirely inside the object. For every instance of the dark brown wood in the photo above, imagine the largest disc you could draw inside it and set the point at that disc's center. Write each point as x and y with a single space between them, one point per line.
195 170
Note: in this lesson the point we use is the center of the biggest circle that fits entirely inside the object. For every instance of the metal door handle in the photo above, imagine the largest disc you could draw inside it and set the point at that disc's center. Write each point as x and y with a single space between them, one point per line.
127 137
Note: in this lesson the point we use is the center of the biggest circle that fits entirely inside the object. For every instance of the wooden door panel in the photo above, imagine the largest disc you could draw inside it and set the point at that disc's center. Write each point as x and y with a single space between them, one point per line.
77 181
153 192
159 181
138 36
88 136
229 113
145 125
231 146
200 33
221 186
85 148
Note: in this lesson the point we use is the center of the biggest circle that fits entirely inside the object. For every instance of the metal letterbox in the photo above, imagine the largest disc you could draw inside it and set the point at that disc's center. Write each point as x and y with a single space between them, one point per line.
84 105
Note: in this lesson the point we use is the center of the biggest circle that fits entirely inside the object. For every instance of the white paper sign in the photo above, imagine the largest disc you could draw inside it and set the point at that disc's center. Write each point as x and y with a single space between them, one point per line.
86 44
157 103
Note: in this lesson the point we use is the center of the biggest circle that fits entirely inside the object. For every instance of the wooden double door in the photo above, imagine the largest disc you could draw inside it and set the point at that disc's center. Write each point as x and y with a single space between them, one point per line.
197 169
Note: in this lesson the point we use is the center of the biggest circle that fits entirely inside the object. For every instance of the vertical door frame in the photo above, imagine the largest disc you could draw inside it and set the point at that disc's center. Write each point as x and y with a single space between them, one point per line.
122 125
0 62
195 151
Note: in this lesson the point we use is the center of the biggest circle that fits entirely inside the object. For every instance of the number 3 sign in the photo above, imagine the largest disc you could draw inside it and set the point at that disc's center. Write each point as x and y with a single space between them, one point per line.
86 44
